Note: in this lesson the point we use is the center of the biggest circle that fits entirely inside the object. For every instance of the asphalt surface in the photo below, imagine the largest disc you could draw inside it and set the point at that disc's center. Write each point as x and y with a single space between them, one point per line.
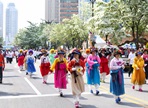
20 91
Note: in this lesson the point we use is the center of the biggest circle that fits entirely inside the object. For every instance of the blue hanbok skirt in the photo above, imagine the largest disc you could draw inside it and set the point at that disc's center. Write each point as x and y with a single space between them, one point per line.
117 82
93 75
30 65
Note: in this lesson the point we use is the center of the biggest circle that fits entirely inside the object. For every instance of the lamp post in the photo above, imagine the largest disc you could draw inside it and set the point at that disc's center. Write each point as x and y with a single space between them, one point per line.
92 4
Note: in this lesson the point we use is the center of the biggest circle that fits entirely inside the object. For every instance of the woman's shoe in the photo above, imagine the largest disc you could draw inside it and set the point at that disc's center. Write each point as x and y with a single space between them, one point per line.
97 92
61 94
76 104
133 87
140 90
119 99
91 91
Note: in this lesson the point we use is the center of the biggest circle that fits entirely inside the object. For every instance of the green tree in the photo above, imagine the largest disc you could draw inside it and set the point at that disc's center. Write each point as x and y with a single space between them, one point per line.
71 32
119 17
31 36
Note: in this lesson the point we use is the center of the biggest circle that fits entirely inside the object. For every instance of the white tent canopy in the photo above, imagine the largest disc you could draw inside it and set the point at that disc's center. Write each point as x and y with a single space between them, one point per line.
99 42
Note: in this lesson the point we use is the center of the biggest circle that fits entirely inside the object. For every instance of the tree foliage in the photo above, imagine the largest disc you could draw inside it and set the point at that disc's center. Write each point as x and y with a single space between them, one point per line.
31 36
118 18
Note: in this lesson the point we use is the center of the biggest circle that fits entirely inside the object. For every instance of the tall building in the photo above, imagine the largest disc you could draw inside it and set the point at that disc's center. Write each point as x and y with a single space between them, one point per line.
52 10
57 10
68 8
11 23
1 19
106 0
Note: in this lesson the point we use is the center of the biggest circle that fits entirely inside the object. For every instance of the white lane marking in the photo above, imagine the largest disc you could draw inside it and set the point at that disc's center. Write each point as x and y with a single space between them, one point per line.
19 71
44 95
32 86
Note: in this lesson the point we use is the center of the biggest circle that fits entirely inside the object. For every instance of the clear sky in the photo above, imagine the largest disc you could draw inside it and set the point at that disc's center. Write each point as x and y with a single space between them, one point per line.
28 10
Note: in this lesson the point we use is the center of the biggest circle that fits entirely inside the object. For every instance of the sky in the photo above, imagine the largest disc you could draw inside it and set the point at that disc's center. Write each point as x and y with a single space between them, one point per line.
28 10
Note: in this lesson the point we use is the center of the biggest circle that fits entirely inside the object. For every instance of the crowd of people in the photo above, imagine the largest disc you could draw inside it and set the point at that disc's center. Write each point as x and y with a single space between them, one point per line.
97 64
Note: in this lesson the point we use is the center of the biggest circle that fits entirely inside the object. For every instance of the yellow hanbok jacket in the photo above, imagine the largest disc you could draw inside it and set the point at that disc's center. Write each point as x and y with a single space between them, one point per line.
53 66
138 76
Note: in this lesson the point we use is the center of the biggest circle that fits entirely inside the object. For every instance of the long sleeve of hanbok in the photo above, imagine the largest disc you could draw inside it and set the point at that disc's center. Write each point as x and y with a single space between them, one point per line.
53 65
90 62
113 65
70 65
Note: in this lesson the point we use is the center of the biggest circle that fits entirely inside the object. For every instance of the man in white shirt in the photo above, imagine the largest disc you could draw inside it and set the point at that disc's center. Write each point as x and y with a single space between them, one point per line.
131 61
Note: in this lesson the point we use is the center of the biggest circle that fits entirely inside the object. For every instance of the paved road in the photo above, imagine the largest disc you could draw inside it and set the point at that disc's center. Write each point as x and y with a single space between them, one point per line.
19 91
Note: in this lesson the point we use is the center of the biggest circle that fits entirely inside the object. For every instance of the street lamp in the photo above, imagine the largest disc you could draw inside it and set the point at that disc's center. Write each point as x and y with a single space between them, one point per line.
92 2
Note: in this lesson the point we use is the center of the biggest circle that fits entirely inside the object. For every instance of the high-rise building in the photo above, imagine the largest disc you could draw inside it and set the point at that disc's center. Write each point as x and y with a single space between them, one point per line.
57 10
68 8
1 19
106 0
11 23
52 10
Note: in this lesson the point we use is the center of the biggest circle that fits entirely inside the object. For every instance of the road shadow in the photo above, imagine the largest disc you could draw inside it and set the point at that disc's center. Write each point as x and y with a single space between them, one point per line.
34 77
50 84
10 76
10 84
88 106
106 95
14 94
71 96
9 70
129 104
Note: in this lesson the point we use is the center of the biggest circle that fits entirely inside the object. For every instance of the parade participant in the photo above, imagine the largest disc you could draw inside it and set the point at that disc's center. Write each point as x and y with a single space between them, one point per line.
104 69
51 56
30 63
2 65
45 66
138 76
60 74
76 68
11 54
92 71
145 57
7 56
21 57
117 78
131 60
16 55
25 61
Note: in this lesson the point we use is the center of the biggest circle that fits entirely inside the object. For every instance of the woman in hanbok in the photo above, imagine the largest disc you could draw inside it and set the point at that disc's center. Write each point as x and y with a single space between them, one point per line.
30 63
21 57
92 71
145 57
76 68
51 56
60 72
138 76
117 78
104 69
44 66
25 61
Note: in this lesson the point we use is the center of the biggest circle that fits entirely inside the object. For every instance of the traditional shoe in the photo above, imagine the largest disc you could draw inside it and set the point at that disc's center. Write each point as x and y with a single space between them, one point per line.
119 99
26 73
76 104
44 82
140 90
91 91
61 94
97 92
133 87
